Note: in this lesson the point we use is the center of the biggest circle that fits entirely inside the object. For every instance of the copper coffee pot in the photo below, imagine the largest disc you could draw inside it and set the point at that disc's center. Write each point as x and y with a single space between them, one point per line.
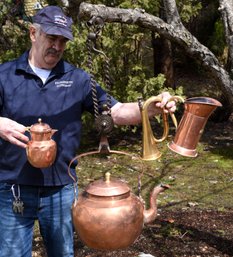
41 149
108 216
196 113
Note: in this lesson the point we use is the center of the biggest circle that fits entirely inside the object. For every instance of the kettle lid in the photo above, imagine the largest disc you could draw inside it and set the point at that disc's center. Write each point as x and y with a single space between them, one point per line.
40 127
107 187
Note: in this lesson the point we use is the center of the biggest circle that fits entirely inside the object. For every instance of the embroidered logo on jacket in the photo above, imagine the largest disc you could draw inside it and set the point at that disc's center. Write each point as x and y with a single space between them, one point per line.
64 83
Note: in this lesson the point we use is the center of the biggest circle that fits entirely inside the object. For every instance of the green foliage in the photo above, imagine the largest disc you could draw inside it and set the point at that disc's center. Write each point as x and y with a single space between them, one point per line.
18 40
4 8
141 86
13 32
217 42
76 50
127 47
189 9
149 6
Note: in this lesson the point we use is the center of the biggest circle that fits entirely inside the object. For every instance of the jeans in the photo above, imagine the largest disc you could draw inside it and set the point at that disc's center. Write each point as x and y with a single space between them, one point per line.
51 206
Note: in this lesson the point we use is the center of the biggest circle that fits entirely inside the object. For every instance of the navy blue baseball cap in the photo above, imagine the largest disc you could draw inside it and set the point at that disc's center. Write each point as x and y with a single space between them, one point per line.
54 22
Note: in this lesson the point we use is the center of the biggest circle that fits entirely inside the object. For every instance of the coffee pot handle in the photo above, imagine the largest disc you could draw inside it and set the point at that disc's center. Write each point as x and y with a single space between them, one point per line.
175 98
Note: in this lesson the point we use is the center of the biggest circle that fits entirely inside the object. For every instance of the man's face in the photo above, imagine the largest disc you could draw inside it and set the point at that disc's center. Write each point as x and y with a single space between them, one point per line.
47 49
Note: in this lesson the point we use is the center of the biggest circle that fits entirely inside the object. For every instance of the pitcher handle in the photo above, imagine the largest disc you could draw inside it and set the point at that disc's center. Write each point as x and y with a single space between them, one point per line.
177 99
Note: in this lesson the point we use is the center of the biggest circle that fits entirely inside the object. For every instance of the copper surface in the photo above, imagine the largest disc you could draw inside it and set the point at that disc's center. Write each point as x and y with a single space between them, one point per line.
196 113
109 224
150 214
41 149
108 216
113 187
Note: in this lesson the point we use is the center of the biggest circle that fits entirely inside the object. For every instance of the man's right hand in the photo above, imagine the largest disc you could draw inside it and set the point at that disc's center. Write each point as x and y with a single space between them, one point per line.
13 132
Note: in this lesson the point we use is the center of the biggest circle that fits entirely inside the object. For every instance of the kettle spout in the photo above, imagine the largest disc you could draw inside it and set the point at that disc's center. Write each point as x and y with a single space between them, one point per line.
150 214
53 131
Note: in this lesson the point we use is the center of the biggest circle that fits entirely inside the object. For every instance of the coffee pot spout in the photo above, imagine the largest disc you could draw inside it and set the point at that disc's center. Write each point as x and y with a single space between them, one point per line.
150 214
53 131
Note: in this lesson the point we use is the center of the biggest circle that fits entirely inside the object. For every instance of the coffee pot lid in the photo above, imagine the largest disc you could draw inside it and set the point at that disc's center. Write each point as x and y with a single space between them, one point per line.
40 127
107 187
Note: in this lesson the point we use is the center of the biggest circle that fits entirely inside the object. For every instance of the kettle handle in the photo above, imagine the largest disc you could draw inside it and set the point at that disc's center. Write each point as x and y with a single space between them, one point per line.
100 151
104 148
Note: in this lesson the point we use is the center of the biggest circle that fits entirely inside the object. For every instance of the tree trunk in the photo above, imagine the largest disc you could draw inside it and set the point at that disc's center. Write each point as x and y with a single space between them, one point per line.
163 57
175 32
163 61
226 9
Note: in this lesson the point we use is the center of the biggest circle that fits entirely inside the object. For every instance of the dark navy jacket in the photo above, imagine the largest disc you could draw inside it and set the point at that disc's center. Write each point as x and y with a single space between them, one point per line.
60 103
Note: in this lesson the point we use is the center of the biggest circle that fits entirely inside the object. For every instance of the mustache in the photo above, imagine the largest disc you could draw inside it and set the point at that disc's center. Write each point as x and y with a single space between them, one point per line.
53 51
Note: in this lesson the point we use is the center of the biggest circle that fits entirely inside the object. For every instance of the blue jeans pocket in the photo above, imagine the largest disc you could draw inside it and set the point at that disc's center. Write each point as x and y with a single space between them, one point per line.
5 187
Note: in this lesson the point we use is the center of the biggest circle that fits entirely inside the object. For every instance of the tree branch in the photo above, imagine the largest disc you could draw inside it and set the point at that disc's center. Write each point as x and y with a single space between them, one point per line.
174 32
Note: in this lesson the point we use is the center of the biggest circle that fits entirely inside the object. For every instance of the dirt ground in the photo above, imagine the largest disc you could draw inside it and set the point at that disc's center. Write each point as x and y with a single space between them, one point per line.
190 231
179 233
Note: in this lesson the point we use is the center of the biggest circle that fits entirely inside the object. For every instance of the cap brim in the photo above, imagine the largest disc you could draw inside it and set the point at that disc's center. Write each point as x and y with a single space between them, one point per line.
55 30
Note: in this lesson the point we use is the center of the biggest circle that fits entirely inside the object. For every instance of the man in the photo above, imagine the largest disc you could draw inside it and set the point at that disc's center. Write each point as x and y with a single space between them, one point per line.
41 85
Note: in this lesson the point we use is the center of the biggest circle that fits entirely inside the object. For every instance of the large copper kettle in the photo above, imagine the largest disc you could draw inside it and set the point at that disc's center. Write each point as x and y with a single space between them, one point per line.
108 216
41 149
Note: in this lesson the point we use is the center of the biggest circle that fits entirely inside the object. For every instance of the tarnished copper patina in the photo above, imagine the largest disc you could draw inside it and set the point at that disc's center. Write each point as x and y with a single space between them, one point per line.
197 110
41 149
108 216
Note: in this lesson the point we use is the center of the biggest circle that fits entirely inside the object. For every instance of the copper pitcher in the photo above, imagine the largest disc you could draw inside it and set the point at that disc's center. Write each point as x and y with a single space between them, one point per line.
196 113
41 149
108 216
